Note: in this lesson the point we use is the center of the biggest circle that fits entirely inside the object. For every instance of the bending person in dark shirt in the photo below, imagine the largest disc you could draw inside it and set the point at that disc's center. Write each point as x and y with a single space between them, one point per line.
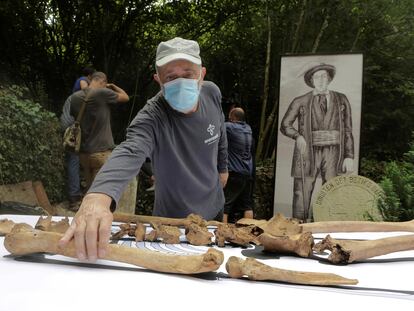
181 129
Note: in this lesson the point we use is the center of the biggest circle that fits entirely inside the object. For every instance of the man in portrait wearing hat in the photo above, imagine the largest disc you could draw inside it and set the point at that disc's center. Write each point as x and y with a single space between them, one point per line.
182 131
323 134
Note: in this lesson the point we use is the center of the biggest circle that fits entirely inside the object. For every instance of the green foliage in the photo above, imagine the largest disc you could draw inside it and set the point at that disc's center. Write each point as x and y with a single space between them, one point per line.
398 185
46 42
30 144
372 169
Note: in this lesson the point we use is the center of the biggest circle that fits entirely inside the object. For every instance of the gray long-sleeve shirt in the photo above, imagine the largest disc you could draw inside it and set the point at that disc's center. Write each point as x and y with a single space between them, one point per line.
187 152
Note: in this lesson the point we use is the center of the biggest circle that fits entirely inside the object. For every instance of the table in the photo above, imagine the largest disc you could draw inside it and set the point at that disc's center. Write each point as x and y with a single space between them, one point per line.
53 282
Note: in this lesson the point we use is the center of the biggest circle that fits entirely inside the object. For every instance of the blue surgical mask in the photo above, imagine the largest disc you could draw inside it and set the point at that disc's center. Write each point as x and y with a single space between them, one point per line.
182 94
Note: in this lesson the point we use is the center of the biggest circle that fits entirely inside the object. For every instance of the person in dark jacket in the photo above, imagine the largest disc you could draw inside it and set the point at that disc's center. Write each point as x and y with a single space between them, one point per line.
238 188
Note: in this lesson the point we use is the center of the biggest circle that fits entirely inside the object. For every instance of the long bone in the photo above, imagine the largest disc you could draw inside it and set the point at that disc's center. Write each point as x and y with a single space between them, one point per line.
336 226
357 226
179 222
255 270
347 251
23 241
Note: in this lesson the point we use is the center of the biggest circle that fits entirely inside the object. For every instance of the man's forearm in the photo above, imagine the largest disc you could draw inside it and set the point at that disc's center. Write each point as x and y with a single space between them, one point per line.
122 95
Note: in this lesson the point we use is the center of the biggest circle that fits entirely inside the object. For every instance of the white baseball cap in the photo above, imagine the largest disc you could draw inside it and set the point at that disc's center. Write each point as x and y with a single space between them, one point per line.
178 48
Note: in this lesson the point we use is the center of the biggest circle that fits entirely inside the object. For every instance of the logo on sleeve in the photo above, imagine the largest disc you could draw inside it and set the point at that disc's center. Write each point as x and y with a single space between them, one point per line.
210 129
213 138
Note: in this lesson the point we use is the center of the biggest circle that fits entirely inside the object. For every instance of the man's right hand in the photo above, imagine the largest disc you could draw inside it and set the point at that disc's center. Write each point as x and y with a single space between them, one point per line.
122 95
301 144
91 227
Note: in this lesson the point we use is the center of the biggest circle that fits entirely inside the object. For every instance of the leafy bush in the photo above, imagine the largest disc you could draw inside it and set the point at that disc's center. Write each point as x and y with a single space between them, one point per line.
372 169
30 143
398 185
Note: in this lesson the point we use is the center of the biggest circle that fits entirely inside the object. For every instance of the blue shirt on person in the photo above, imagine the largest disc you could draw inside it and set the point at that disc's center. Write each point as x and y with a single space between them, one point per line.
76 86
239 138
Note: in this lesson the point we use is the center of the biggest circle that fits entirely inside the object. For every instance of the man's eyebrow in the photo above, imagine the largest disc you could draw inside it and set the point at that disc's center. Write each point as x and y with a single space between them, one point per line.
170 71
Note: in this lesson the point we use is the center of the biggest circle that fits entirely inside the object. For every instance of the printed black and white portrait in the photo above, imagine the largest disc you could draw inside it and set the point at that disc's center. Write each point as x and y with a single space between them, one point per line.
319 127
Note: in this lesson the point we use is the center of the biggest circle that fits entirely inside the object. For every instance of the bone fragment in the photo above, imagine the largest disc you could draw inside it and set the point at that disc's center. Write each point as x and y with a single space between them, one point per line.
139 232
251 221
23 241
47 224
348 251
255 270
300 244
278 225
198 235
60 226
229 232
125 229
151 236
168 234
43 223
6 226
357 226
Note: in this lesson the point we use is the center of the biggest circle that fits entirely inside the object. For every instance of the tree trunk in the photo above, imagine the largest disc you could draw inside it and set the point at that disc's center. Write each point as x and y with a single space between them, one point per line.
354 44
320 34
265 90
298 27
269 123
271 142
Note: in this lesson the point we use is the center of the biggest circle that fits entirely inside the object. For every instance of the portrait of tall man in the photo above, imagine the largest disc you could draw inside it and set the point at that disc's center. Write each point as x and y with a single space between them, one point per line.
319 123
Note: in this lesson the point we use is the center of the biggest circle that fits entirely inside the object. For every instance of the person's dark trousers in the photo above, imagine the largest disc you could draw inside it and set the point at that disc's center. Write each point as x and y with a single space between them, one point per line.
237 190
73 178
219 216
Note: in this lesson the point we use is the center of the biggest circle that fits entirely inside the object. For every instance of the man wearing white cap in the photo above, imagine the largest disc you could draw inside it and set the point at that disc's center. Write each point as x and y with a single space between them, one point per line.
324 140
182 131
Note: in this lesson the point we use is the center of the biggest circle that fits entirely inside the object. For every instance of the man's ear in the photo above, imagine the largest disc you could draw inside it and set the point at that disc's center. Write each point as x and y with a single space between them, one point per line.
157 78
203 72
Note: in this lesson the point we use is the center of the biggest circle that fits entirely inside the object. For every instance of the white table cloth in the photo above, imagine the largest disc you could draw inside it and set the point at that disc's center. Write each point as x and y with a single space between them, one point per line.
53 282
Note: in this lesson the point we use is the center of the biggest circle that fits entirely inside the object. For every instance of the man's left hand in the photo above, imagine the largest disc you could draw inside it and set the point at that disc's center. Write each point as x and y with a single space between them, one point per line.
348 165
223 178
